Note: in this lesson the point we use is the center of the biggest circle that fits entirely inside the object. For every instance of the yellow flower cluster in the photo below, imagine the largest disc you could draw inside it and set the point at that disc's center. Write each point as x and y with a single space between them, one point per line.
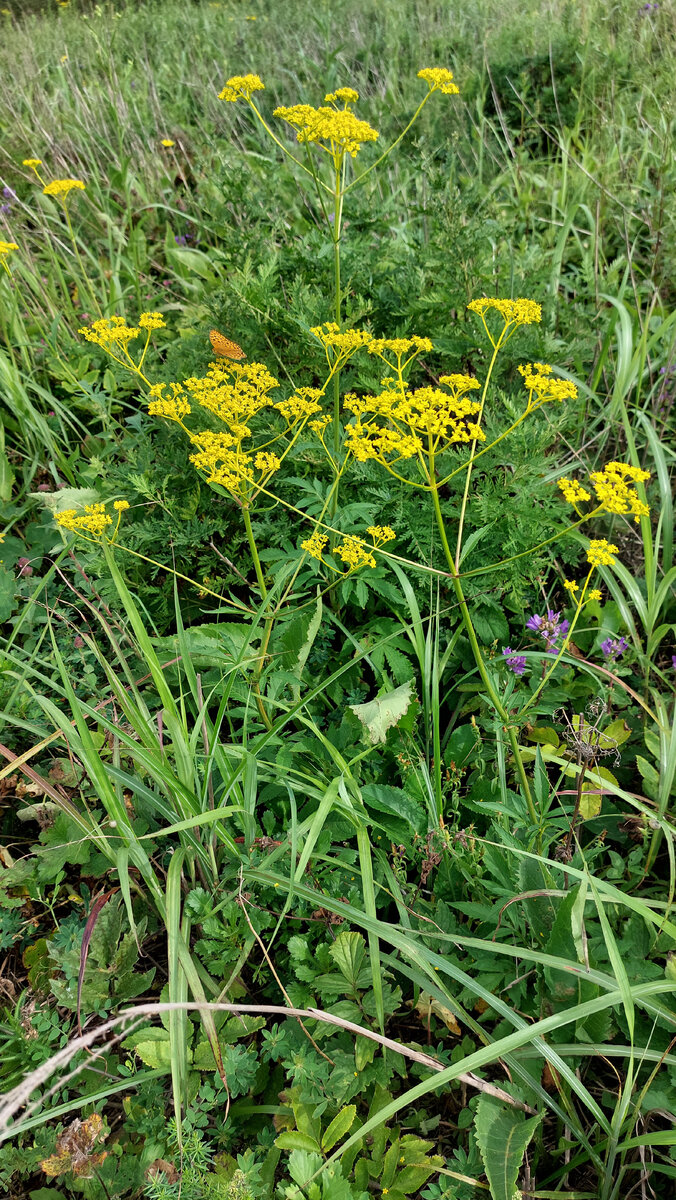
573 492
614 492
600 553
94 521
114 330
304 403
594 594
342 342
343 132
234 393
152 320
241 87
354 553
346 95
174 407
314 545
32 162
110 331
225 463
439 79
442 419
513 312
7 247
381 534
167 143
538 380
613 489
61 187
399 346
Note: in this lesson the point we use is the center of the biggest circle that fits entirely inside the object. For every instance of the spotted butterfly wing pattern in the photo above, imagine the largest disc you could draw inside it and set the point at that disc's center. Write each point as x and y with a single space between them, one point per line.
223 347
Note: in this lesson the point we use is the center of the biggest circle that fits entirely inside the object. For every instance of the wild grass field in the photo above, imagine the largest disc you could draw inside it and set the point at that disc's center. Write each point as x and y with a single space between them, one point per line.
338 735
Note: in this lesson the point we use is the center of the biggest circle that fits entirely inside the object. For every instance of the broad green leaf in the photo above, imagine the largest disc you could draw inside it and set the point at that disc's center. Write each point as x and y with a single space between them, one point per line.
385 799
155 1054
411 1179
348 952
302 1166
379 715
339 1126
293 1139
502 1135
544 735
590 801
616 733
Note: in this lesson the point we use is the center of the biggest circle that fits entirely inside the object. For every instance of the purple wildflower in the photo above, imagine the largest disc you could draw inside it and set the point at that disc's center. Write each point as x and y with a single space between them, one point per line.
181 239
673 661
515 662
613 648
551 628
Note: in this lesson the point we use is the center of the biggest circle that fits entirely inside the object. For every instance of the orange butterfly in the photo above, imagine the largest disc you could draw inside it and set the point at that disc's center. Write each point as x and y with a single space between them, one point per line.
223 347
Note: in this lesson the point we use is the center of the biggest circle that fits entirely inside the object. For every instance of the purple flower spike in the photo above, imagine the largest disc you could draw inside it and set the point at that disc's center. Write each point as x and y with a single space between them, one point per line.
613 648
515 662
551 628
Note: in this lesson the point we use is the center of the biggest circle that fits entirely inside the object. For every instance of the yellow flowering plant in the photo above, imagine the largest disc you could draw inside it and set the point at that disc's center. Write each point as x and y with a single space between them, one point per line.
334 135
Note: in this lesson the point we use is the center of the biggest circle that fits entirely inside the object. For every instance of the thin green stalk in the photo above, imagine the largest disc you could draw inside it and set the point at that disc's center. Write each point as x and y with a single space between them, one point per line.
254 552
478 656
455 566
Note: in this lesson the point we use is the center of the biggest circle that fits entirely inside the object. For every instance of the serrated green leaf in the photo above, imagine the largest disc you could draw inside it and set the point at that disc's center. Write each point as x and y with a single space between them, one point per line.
379 715
348 953
339 1126
502 1135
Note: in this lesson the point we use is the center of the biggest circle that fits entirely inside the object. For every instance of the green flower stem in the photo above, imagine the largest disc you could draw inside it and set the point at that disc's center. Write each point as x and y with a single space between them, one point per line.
83 273
478 656
281 145
455 567
269 620
254 551
337 220
389 150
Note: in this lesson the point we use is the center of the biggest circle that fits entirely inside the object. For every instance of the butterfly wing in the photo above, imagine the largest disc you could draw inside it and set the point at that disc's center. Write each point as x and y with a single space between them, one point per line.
223 347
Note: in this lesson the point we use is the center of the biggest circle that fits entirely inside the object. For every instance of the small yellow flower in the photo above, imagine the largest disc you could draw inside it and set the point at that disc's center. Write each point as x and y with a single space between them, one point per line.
152 320
354 553
32 162
167 143
600 553
95 520
346 95
7 247
108 331
439 79
121 505
513 312
594 594
573 491
267 462
381 534
537 379
339 129
61 187
614 491
314 545
342 342
571 586
241 87
175 407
